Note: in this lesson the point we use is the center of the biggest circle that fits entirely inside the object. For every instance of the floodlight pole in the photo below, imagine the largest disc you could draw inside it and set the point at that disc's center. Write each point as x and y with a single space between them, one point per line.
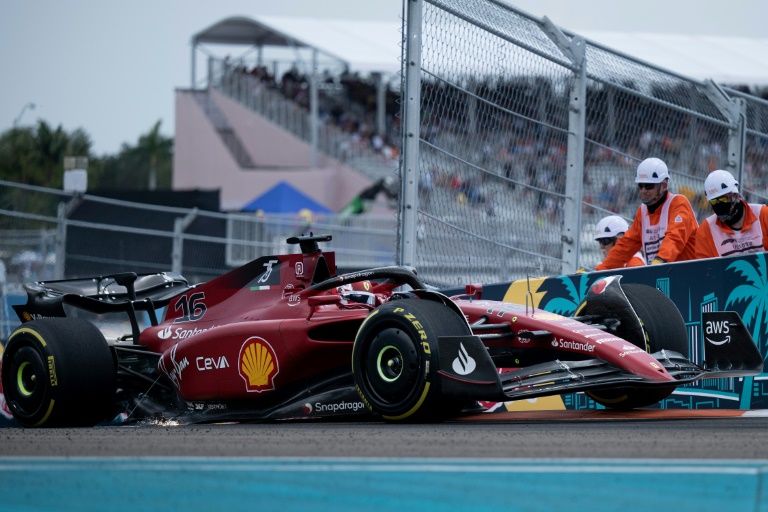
28 106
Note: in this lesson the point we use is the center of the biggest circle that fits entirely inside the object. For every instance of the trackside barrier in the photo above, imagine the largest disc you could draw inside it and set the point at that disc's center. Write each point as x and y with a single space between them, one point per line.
738 283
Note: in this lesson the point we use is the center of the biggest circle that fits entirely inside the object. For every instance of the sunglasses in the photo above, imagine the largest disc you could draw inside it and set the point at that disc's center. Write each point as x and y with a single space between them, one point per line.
646 186
606 241
721 199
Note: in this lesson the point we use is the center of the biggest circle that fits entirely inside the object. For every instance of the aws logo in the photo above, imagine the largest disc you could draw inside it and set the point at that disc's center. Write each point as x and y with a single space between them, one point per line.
717 332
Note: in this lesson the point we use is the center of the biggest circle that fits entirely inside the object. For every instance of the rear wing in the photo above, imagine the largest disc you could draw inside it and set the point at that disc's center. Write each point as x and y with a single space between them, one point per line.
123 292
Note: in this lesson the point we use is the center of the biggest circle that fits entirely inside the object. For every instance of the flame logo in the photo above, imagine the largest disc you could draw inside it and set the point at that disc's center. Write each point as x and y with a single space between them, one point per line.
258 365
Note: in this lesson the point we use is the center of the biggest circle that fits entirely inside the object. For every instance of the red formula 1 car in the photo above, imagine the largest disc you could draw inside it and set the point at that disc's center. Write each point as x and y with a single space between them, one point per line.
285 337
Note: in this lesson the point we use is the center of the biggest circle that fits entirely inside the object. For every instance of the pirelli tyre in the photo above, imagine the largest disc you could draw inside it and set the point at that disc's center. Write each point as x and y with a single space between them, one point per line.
58 372
395 358
663 328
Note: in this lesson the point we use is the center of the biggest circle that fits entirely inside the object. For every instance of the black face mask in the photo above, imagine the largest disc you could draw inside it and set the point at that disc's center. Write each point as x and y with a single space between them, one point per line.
728 213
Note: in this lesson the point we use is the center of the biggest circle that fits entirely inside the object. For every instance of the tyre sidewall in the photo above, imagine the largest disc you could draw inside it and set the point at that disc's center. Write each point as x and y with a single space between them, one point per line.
412 316
79 383
663 328
662 322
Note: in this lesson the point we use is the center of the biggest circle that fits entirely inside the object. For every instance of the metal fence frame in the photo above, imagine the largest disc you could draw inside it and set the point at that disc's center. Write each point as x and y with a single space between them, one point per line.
350 232
741 118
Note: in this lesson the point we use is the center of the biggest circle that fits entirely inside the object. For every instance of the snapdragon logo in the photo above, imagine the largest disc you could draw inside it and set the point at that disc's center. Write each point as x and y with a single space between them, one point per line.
333 407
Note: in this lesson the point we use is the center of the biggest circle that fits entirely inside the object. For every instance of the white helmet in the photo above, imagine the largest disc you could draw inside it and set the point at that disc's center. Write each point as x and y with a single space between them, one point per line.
610 227
652 170
719 183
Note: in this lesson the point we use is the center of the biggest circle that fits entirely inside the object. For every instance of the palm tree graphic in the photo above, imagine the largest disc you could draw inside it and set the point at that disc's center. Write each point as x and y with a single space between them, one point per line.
576 292
755 293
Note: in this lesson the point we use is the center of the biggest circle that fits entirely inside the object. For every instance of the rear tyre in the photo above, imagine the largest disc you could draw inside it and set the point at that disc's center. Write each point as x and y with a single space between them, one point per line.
58 372
395 358
663 328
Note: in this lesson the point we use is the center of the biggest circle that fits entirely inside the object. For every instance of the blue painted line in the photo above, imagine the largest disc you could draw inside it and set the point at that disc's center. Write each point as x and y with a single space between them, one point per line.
380 484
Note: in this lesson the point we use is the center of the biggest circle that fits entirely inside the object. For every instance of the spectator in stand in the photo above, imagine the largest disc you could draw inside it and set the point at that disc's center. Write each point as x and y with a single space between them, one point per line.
608 231
664 226
736 227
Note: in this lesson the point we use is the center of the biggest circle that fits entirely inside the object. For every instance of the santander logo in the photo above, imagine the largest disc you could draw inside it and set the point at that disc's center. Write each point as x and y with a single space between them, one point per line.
464 364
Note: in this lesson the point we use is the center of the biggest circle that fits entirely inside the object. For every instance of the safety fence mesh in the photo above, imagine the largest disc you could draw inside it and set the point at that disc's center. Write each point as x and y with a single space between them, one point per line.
495 115
50 234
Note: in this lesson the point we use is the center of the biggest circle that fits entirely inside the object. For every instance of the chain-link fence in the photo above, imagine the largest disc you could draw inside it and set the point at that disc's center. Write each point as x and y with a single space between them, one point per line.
51 234
519 137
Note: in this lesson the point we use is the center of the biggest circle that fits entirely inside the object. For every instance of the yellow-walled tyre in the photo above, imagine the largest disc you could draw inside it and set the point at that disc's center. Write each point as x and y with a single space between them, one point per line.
663 328
58 372
395 358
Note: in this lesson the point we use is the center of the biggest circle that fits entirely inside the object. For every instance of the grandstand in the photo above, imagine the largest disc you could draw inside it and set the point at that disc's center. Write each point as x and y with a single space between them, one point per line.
357 104
310 121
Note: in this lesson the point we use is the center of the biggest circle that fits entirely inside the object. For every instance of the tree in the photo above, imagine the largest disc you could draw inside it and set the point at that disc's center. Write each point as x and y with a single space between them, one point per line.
147 165
34 155
157 149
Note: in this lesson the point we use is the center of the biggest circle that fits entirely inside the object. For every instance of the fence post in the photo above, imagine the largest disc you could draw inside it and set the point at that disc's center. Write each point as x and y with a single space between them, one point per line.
409 175
210 83
61 240
193 66
63 210
314 121
180 224
737 139
575 50
735 111
381 104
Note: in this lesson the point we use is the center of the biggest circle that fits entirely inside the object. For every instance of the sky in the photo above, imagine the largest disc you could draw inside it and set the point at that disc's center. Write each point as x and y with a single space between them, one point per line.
110 67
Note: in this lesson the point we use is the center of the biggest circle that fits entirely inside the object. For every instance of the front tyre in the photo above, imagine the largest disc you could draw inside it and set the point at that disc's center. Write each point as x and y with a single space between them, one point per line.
663 328
58 372
395 357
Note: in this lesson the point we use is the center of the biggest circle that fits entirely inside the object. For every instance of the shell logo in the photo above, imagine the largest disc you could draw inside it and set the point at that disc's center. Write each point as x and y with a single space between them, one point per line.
257 365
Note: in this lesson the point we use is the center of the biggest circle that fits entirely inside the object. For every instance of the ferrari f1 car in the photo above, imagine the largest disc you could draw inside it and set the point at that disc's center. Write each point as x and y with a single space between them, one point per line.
285 337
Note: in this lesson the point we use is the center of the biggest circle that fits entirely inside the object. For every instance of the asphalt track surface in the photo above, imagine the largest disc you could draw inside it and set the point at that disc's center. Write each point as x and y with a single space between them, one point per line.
546 434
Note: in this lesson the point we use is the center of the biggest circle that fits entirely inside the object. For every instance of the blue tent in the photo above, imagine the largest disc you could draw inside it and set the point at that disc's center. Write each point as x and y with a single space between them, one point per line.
284 198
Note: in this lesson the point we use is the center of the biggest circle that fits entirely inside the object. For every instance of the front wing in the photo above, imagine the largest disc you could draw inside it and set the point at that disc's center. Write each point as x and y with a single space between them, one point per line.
731 356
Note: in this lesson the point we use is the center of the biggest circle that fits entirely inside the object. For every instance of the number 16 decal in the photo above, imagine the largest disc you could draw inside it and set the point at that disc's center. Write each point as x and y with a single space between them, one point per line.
192 307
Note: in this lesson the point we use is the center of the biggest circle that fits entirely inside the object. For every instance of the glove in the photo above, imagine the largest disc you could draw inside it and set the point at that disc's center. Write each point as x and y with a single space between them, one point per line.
657 261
